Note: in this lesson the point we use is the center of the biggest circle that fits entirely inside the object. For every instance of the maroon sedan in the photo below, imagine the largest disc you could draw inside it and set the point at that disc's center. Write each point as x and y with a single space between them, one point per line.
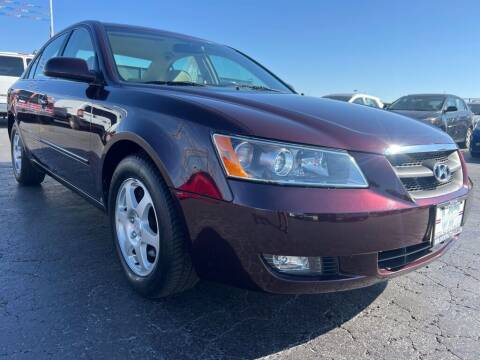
209 165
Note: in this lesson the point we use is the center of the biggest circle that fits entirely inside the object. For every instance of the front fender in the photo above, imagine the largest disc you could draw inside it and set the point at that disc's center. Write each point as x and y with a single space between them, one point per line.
182 151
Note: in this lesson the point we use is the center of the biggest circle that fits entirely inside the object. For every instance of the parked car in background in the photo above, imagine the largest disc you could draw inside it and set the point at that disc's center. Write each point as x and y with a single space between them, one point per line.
475 108
356 98
12 66
209 165
447 112
475 141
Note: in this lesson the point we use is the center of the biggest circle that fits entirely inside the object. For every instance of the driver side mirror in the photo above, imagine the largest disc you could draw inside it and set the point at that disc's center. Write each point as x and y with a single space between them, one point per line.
69 69
451 109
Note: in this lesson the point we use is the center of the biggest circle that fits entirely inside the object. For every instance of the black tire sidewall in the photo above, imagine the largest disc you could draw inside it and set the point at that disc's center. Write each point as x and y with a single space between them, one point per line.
137 168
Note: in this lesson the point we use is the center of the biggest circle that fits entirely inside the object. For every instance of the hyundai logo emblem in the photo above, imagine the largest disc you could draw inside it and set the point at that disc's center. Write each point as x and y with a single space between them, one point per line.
442 172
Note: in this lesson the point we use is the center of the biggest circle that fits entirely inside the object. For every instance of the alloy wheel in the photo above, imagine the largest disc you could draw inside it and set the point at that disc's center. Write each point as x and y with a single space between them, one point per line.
136 226
17 153
468 138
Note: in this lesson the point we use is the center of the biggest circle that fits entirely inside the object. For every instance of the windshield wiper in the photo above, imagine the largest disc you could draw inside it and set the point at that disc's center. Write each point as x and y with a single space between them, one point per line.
251 87
174 83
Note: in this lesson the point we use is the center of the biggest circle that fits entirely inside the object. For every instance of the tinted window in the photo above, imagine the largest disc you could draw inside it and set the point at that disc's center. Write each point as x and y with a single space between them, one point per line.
49 52
170 58
419 103
80 46
359 101
11 66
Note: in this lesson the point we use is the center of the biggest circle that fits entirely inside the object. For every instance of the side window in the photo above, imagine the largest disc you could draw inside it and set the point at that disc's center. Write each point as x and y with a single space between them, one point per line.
80 46
461 105
52 50
31 70
451 102
359 101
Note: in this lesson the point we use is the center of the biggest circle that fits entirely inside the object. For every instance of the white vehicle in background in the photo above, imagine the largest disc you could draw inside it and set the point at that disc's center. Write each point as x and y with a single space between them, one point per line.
357 98
12 66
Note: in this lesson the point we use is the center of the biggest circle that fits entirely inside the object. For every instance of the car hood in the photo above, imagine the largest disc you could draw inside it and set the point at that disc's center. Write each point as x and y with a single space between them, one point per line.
420 115
310 120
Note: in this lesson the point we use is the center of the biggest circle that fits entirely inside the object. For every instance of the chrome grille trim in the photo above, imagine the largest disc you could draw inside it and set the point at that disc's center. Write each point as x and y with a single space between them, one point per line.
416 149
415 170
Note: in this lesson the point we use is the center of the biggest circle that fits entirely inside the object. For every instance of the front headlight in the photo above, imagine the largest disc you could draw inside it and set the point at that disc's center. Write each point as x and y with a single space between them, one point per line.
433 120
287 164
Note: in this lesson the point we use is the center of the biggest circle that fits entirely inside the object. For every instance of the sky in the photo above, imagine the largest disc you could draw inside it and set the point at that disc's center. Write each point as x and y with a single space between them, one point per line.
384 48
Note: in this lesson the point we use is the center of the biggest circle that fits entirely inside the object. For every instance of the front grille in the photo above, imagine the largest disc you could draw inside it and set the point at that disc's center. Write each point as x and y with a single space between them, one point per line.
394 260
424 183
415 171
416 159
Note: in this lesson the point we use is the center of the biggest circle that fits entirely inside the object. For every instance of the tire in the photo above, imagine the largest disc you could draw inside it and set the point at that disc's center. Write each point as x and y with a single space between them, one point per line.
154 272
24 171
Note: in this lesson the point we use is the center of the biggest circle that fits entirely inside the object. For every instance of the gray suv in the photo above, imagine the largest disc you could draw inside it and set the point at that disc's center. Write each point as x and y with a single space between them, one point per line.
448 112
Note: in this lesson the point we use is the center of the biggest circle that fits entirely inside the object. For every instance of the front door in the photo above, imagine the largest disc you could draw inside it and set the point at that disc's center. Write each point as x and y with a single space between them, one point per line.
451 118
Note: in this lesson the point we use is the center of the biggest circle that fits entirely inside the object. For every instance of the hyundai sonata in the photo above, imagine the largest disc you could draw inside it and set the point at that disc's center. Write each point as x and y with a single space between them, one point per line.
211 166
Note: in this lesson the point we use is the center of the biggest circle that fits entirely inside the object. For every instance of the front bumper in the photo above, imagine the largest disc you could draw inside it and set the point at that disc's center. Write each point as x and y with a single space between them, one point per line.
354 226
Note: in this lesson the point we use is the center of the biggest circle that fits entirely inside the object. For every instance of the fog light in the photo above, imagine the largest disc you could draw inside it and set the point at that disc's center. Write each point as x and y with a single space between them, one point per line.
295 265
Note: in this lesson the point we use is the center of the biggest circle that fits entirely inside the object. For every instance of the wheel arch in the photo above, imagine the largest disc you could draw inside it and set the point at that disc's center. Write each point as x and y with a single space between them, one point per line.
10 122
123 145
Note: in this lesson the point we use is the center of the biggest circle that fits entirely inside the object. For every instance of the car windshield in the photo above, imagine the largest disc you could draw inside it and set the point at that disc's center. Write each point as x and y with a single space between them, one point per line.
475 108
338 97
11 66
160 58
419 103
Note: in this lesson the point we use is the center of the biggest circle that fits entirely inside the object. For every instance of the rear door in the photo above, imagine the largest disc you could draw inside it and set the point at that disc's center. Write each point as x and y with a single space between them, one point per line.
65 119
28 103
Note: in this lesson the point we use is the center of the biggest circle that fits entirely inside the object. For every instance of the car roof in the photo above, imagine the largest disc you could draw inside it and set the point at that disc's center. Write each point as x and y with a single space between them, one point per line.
432 94
12 53
351 95
125 27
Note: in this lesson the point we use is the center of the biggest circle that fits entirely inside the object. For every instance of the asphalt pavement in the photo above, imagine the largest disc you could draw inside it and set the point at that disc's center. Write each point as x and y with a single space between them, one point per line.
63 295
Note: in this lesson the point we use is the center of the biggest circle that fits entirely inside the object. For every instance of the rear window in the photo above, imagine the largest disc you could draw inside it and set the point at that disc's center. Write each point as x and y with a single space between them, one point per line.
11 66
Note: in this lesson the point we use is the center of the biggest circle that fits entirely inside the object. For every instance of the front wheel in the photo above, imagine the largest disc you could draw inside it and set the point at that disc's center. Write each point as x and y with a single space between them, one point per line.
25 172
148 230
